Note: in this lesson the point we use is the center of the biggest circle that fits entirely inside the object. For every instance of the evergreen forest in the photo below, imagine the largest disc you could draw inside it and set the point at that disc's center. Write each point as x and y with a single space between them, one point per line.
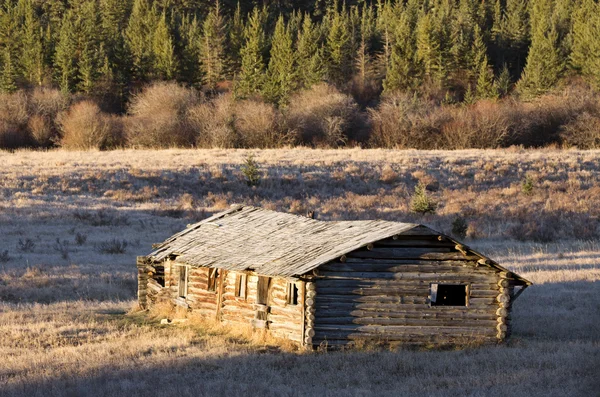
376 54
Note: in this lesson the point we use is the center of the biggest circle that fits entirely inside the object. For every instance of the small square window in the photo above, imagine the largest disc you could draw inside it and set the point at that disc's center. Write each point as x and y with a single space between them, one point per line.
292 294
449 295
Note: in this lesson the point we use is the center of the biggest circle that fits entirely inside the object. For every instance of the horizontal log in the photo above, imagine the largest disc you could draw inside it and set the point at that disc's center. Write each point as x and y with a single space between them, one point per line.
430 322
412 253
429 313
369 266
413 242
378 277
386 331
483 294
390 291
353 299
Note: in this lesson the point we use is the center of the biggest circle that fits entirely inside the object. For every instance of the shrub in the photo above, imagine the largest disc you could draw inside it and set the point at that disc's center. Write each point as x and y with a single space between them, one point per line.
41 130
258 125
44 106
13 121
460 227
112 247
527 185
84 127
4 256
101 218
251 171
485 124
420 202
404 121
62 247
159 116
249 123
80 238
26 245
583 132
213 123
323 115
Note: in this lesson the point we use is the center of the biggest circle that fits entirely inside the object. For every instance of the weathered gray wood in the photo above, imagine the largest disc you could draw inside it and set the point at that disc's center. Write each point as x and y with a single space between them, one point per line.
378 277
413 253
431 313
397 321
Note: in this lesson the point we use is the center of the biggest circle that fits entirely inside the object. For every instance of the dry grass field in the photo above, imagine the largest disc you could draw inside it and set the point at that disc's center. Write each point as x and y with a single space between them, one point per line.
71 224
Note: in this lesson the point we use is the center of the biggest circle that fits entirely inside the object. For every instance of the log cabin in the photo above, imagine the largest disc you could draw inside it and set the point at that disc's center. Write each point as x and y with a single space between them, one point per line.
332 283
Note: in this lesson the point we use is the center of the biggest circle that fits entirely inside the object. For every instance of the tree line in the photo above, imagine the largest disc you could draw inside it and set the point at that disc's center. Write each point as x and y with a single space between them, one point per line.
461 49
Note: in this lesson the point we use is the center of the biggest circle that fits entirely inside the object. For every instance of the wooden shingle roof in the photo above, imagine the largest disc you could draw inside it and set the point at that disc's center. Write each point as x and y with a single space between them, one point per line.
271 243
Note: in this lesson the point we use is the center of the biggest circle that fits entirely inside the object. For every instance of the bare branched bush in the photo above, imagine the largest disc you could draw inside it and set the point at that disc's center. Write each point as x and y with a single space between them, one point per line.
259 125
214 123
85 127
225 123
41 129
404 121
113 246
13 121
583 132
44 106
323 115
485 124
159 116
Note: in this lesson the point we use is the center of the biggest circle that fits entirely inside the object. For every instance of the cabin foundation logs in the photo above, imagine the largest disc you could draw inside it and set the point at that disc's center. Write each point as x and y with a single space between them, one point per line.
503 311
142 282
309 313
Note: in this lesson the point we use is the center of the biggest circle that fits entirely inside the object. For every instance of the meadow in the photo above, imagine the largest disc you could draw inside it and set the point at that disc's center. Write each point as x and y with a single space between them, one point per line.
72 223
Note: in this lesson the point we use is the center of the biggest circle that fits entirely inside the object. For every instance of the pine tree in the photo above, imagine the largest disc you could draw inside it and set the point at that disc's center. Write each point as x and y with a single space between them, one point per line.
545 63
8 76
504 82
89 44
212 48
364 68
235 42
309 60
65 56
429 50
189 62
486 87
338 47
280 79
163 49
251 77
403 72
32 57
515 35
585 33
138 34
10 38
114 16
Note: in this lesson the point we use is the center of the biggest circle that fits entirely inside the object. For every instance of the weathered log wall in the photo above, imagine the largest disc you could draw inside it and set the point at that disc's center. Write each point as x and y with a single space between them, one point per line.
382 293
280 318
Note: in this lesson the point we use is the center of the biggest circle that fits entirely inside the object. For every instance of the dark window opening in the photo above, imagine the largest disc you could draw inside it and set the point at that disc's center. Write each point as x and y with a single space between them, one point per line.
448 295
241 283
183 281
212 280
262 290
292 294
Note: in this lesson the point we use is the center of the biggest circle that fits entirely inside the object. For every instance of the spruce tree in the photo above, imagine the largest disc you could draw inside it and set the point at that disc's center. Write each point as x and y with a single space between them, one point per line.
89 44
165 64
189 64
515 35
212 48
585 38
310 68
65 56
235 42
364 68
10 38
32 57
138 39
545 63
403 72
8 77
339 50
429 50
280 79
251 77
